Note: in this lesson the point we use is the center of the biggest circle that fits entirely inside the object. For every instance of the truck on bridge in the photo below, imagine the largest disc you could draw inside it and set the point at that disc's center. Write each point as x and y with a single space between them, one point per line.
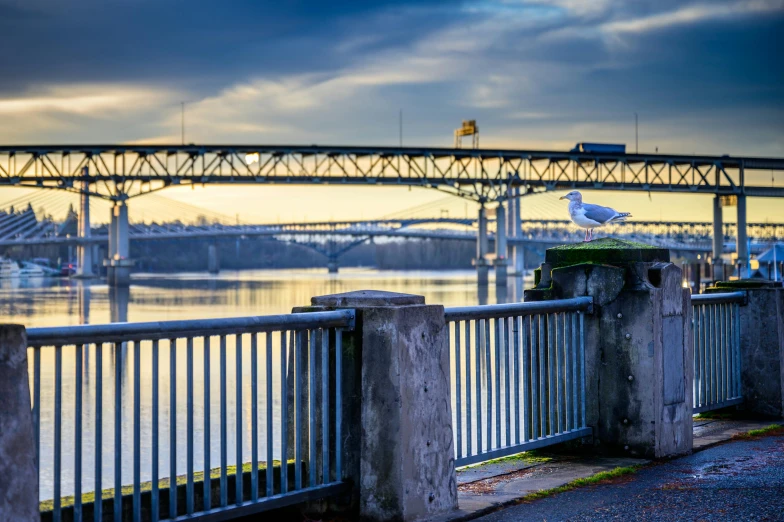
599 147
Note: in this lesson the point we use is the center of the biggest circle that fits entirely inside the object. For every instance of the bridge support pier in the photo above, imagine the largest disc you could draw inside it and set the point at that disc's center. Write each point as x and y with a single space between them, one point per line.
481 248
118 265
500 245
213 261
332 265
718 240
742 243
84 250
516 252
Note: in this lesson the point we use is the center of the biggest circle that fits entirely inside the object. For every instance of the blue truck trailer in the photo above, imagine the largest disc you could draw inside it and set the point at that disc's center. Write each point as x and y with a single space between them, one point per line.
600 147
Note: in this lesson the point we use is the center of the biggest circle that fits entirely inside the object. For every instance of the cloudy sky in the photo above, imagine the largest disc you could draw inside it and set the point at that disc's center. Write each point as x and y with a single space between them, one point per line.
704 77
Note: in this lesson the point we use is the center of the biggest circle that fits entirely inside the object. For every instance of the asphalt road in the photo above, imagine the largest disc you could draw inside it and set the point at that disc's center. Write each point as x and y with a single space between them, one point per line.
736 481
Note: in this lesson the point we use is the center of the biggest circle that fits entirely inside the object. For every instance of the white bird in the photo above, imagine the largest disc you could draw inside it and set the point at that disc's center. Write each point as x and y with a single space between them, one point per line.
590 216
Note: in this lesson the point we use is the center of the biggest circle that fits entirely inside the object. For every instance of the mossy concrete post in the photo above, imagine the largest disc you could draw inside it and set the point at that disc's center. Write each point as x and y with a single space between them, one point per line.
18 471
761 345
638 343
403 461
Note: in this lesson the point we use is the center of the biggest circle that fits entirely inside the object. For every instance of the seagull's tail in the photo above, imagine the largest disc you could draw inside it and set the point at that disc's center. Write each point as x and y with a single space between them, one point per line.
621 216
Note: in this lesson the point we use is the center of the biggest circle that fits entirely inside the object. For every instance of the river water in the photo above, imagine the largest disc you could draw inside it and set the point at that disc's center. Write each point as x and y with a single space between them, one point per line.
156 297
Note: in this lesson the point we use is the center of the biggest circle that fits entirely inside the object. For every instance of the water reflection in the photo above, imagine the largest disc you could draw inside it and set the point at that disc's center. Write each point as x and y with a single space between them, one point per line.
182 296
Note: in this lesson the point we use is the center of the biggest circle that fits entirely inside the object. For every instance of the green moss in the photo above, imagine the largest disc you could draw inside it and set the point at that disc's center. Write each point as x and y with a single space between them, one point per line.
215 473
742 283
604 244
605 251
526 457
599 478
772 429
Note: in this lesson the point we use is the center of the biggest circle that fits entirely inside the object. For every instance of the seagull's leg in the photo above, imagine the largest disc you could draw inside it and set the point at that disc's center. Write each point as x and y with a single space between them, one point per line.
590 234
585 239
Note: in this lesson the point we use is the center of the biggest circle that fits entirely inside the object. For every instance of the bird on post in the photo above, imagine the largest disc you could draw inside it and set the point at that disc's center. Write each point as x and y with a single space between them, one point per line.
590 216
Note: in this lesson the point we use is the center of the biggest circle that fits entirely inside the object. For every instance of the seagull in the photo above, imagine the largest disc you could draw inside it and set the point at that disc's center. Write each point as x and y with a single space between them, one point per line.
591 216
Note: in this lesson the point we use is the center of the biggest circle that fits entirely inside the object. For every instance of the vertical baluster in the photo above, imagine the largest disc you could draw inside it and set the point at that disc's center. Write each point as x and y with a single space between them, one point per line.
268 381
312 404
458 405
284 408
535 425
137 432
37 411
469 430
154 494
526 376
189 427
497 356
98 503
696 343
338 404
568 384
172 428
551 366
703 357
489 391
582 365
298 412
478 380
559 370
207 458
78 435
727 352
738 360
506 342
224 479
543 392
254 417
325 373
516 327
722 342
117 431
58 409
576 393
238 345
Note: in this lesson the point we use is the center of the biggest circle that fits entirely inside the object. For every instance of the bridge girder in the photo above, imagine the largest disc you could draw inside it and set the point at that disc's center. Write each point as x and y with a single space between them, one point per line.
119 172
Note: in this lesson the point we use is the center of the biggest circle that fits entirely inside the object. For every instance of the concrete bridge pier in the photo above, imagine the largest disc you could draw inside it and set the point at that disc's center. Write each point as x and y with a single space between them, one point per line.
482 248
332 265
118 265
517 252
718 239
84 250
742 244
213 261
500 261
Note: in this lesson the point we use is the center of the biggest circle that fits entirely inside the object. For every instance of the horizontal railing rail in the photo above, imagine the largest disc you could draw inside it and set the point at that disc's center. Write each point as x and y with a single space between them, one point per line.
260 398
717 360
518 376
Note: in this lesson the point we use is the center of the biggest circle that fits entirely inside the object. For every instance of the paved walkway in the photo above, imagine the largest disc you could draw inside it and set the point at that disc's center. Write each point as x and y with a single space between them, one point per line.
739 480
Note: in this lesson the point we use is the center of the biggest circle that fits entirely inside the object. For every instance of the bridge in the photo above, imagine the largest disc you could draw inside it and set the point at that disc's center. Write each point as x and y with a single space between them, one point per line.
496 177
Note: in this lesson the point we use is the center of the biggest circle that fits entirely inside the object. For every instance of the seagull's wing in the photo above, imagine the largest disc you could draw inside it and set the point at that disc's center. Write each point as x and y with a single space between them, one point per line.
598 213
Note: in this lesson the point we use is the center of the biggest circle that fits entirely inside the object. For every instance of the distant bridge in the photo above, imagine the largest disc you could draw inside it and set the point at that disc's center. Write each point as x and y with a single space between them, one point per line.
118 172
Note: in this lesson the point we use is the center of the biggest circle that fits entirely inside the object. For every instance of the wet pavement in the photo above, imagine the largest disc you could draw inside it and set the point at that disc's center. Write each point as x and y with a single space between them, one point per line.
738 480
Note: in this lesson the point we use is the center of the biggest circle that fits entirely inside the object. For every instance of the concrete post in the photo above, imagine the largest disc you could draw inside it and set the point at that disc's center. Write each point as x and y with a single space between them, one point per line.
638 343
213 262
519 251
119 264
404 456
500 245
481 247
761 345
718 240
742 240
332 265
84 249
18 472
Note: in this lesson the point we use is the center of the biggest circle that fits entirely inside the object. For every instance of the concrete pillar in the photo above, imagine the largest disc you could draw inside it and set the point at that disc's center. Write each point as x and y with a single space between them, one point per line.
500 245
84 248
403 461
481 247
118 304
213 262
742 245
519 251
638 343
18 471
761 345
718 239
118 265
332 265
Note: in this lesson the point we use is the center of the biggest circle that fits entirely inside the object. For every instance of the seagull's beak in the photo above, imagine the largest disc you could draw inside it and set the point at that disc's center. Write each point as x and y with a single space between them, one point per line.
562 197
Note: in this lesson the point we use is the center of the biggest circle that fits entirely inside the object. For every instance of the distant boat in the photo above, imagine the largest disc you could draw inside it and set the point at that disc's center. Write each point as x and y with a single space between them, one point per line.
31 270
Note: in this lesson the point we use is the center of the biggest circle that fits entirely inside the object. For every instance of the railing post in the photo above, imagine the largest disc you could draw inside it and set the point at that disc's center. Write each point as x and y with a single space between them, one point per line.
18 472
638 343
761 331
400 453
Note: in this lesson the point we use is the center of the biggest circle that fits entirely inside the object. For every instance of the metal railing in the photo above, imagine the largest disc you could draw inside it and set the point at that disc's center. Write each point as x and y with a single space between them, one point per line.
518 376
237 451
717 362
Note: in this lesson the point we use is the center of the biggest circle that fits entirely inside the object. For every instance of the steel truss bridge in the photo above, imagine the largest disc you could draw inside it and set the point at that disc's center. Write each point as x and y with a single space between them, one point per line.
23 228
119 172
